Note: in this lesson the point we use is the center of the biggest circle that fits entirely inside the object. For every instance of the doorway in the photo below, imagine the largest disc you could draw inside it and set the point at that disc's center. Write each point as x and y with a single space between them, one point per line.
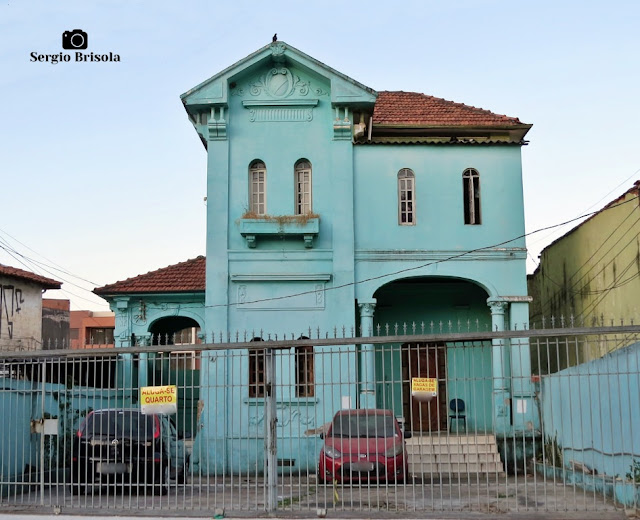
424 360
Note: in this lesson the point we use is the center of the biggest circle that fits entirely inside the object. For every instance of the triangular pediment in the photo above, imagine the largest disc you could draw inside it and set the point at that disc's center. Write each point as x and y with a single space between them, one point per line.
293 77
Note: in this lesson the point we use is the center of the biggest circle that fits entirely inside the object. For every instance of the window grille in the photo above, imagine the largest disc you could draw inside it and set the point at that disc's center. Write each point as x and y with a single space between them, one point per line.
304 371
303 187
256 372
258 188
471 189
184 360
406 197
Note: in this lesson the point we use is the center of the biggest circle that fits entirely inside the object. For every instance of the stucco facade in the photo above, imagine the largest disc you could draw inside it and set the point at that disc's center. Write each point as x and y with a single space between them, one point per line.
345 243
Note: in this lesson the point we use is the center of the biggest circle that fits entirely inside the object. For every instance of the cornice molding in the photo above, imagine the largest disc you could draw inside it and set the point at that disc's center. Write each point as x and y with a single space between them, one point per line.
280 277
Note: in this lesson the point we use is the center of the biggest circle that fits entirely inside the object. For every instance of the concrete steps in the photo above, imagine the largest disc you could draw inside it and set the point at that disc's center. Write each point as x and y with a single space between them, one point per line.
444 455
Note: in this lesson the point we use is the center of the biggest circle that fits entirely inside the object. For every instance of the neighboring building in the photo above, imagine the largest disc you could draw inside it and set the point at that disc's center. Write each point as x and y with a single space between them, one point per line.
90 329
21 308
55 323
373 208
590 276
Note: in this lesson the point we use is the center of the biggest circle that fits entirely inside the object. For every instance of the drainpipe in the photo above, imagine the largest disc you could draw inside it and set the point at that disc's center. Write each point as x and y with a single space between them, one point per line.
367 355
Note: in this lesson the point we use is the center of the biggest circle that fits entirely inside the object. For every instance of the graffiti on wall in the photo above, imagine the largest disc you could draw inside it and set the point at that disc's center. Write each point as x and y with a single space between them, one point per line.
11 300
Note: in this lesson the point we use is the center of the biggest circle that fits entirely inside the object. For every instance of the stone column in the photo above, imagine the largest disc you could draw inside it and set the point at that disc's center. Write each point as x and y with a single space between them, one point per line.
500 368
367 355
143 361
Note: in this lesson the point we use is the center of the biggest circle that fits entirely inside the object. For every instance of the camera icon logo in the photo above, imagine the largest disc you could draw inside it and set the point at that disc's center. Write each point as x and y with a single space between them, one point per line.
76 39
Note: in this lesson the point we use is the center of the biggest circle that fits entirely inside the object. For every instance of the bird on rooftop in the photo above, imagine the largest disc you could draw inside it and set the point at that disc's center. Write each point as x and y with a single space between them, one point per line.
275 37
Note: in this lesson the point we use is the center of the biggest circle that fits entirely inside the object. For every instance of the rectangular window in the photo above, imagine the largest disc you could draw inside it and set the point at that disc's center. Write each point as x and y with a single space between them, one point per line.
256 373
304 372
102 336
184 360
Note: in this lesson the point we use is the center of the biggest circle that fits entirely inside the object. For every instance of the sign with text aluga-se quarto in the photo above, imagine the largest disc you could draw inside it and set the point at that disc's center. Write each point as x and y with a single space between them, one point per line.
159 399
424 389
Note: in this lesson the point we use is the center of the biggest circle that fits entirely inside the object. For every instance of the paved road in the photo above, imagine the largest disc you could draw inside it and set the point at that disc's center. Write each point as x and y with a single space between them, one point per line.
508 498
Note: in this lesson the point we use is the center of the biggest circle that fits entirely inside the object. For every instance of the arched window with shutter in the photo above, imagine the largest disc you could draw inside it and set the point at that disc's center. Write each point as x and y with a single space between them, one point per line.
258 188
471 195
406 198
302 186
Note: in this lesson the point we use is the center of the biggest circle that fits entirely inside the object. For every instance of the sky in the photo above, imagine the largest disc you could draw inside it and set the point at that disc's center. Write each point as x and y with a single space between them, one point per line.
103 176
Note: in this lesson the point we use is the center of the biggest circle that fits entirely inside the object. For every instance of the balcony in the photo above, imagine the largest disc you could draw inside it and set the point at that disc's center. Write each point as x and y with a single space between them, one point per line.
288 225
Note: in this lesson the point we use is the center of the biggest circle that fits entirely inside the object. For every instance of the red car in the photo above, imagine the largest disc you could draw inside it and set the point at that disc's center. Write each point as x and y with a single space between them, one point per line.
363 445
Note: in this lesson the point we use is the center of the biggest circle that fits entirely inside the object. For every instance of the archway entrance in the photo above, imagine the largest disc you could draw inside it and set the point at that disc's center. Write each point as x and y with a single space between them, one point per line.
180 367
425 306
424 360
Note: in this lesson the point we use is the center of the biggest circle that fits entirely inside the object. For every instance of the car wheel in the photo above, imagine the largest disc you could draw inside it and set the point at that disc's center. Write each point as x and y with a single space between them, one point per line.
319 475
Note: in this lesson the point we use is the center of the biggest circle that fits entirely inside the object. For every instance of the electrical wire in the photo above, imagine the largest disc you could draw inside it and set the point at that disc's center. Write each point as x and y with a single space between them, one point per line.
57 268
356 282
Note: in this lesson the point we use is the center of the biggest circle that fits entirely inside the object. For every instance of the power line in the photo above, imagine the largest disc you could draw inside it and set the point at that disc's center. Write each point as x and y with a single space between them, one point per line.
401 271
58 268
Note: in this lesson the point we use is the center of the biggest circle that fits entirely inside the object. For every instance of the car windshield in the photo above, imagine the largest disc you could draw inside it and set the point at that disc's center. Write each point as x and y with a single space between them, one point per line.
363 425
121 424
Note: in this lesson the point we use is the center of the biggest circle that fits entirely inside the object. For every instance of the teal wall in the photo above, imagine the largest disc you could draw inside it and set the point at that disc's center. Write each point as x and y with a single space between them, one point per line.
596 422
241 118
24 401
439 213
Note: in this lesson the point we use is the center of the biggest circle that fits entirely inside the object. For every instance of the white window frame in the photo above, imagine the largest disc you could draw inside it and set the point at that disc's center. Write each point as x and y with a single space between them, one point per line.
471 196
406 197
303 200
258 188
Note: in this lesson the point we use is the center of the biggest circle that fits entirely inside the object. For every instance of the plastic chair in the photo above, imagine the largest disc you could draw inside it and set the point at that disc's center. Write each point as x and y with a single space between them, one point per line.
457 413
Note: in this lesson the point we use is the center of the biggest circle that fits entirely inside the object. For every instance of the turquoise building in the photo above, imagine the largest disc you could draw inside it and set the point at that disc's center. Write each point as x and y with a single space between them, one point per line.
332 205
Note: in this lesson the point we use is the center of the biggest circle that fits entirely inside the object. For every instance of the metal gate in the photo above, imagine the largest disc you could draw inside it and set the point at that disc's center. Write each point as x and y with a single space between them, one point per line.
535 420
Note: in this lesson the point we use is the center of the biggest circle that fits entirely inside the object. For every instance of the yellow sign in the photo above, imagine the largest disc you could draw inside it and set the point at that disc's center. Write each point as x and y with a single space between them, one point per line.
159 399
424 384
424 388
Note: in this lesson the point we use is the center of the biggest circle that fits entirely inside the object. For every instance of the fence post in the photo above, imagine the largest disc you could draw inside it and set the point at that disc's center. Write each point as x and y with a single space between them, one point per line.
271 448
42 438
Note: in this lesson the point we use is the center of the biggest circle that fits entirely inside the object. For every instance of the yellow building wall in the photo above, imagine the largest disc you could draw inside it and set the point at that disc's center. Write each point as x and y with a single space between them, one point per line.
591 277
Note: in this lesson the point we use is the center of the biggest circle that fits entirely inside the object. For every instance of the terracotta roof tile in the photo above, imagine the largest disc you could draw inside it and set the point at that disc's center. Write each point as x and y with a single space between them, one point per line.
186 276
415 109
47 283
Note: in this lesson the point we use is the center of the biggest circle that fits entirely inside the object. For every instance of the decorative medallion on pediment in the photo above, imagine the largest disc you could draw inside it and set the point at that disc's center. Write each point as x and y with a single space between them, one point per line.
279 83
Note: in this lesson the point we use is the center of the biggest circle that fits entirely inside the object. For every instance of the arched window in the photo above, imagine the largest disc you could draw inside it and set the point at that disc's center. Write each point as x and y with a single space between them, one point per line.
471 194
256 371
302 186
406 197
258 188
305 377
